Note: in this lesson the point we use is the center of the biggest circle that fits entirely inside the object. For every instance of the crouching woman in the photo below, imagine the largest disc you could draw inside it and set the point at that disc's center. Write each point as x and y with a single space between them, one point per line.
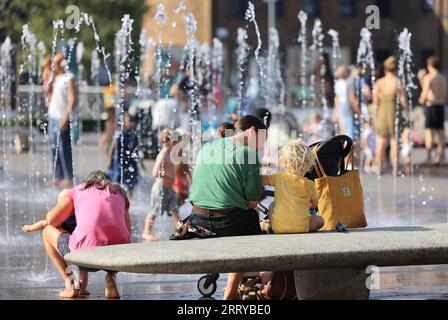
102 218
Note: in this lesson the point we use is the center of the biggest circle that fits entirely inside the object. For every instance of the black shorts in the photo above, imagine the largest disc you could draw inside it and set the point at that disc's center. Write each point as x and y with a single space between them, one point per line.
69 225
435 117
236 223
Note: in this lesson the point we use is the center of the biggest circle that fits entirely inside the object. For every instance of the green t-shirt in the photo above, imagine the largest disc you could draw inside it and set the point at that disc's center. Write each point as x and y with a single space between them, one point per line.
227 175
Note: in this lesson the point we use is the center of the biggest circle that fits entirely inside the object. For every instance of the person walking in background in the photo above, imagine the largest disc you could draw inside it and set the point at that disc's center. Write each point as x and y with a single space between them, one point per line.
346 103
433 98
324 81
46 72
385 99
61 97
109 100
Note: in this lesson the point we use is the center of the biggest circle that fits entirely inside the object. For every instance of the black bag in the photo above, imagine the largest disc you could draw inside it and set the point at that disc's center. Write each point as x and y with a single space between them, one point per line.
278 285
331 155
273 285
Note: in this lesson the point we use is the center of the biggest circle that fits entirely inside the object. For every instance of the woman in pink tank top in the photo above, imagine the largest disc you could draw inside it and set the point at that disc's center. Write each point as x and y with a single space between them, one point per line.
102 218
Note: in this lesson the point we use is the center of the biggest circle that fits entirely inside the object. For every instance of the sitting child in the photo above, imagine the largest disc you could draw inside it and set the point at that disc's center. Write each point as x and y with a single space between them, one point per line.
68 225
295 195
163 198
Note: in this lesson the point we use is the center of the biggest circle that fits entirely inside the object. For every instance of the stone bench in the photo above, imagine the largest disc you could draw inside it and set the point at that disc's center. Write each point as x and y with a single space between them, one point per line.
326 265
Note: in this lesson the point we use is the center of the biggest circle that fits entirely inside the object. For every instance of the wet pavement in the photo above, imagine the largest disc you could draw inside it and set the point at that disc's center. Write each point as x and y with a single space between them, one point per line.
26 273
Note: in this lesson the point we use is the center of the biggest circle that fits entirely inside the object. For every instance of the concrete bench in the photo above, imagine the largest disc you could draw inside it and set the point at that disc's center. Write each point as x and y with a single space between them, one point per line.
326 265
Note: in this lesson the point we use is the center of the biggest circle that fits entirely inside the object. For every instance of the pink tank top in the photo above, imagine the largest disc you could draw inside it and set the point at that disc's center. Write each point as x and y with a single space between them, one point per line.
100 218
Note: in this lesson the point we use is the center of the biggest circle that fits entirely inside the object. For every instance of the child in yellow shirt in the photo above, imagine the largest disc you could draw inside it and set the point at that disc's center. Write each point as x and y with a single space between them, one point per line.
295 195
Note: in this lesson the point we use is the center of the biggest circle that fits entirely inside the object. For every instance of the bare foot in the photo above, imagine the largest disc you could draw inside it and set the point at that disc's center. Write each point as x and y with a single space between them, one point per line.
378 171
68 293
149 237
83 292
111 290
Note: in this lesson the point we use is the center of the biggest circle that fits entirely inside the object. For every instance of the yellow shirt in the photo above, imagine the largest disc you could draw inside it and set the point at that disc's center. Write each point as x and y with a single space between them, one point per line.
293 195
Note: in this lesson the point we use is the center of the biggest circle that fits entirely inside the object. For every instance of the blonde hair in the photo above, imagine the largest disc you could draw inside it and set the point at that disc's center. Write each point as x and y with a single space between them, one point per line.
296 158
342 72
165 136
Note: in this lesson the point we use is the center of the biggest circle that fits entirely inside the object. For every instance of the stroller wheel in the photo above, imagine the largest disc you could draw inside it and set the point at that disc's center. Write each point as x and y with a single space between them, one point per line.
207 284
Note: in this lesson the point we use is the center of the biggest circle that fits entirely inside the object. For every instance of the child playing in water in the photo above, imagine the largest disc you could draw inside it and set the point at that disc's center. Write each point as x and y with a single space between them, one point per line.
368 145
182 182
406 149
295 195
123 152
183 179
68 225
163 197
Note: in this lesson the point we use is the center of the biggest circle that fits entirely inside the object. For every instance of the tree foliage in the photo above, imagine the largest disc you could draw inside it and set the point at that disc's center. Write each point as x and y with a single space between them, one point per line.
40 14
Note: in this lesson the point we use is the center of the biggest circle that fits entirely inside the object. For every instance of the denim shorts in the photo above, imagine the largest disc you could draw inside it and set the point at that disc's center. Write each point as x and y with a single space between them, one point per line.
62 243
162 200
63 249
236 223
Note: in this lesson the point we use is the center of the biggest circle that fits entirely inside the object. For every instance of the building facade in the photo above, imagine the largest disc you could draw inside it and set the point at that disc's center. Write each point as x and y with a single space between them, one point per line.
172 33
427 20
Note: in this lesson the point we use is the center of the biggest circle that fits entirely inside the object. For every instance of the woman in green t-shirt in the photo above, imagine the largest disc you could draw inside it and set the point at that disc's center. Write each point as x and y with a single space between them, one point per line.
227 186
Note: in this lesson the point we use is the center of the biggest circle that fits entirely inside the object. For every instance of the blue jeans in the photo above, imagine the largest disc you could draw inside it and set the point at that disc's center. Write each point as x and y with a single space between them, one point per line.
63 168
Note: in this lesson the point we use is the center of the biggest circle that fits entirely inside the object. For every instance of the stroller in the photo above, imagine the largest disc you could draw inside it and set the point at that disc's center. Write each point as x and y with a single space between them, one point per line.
332 154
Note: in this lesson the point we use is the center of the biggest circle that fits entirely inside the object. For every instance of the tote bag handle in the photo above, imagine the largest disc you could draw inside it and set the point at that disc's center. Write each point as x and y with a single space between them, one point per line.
319 168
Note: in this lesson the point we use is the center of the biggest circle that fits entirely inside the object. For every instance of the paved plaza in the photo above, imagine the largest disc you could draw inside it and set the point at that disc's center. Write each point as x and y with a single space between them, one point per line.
26 273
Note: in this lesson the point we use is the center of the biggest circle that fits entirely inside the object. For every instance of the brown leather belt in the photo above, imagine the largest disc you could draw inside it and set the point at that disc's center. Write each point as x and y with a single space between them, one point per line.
212 211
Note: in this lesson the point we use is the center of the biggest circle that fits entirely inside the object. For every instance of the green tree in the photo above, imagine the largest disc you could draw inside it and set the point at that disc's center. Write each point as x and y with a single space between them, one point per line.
40 14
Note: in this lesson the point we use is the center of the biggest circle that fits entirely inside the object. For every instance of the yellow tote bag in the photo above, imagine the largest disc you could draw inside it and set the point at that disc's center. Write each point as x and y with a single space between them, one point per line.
340 198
